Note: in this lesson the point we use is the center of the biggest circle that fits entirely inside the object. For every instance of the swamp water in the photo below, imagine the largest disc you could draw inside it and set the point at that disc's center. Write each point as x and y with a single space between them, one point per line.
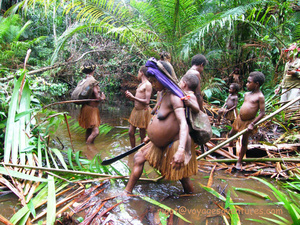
200 208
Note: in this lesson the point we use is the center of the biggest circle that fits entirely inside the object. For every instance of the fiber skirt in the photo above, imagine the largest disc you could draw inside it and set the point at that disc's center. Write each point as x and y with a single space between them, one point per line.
140 118
231 115
239 124
161 159
89 117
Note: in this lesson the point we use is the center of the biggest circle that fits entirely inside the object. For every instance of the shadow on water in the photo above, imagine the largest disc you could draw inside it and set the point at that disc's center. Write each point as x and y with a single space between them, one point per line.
200 208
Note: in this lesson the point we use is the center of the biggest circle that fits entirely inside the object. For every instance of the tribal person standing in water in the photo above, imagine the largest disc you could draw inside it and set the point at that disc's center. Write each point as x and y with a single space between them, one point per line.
168 149
141 113
89 117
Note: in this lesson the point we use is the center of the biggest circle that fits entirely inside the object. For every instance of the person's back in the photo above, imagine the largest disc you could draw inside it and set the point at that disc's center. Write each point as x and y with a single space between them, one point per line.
89 117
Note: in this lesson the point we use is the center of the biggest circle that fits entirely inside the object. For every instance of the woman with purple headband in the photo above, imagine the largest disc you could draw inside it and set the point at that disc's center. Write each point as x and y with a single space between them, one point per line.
168 148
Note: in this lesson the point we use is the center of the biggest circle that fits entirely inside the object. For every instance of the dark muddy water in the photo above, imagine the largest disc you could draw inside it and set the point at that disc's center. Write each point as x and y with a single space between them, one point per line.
200 208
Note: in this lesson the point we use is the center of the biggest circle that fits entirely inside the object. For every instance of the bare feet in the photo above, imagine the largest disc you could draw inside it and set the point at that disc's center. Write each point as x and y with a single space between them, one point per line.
238 166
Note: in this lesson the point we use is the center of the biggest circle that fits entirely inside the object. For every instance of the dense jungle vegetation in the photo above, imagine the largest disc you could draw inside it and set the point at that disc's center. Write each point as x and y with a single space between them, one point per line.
120 36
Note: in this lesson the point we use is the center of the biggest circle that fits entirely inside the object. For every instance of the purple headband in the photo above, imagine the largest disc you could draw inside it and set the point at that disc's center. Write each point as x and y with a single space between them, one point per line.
162 78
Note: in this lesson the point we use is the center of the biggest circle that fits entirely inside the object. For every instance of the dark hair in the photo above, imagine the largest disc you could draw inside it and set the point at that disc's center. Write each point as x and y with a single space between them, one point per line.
166 66
236 87
191 80
88 67
257 77
199 60
165 55
144 69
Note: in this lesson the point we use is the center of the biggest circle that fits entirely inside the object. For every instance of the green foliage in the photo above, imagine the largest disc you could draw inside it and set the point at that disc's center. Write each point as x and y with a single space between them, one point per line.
289 204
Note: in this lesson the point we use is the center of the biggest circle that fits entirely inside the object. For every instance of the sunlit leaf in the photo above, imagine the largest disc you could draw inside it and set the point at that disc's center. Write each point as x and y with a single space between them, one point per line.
51 203
253 192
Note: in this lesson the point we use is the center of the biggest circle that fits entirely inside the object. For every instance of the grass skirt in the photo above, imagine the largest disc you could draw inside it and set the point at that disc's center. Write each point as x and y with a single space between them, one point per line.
89 117
231 115
140 118
161 159
239 124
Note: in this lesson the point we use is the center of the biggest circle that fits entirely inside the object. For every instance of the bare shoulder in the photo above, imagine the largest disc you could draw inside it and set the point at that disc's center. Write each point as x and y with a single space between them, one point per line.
148 84
194 72
261 96
175 101
233 97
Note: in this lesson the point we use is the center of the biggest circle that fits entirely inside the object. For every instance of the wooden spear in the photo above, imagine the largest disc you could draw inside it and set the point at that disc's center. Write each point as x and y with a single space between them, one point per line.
72 101
244 131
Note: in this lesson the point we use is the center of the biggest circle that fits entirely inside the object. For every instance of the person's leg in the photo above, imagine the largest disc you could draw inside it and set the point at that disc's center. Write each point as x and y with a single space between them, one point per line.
131 133
243 150
136 171
93 135
88 133
284 97
220 114
230 145
142 133
187 185
294 93
231 133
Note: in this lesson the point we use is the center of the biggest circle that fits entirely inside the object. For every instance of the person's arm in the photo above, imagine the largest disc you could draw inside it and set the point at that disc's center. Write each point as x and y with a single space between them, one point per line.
192 103
179 156
146 100
294 73
98 94
261 114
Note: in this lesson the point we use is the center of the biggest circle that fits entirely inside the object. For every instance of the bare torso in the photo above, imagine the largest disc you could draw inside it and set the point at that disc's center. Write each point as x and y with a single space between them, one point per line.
141 93
163 129
250 106
231 101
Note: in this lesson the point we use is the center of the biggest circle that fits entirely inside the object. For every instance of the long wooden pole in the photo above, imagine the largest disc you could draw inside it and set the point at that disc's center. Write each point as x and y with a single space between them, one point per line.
256 160
72 101
244 131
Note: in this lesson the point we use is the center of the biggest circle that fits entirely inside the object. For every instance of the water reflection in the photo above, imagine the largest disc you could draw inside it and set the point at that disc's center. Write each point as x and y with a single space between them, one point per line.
90 152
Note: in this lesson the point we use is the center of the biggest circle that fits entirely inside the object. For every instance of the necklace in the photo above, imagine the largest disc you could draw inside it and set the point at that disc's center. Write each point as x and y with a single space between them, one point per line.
163 93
